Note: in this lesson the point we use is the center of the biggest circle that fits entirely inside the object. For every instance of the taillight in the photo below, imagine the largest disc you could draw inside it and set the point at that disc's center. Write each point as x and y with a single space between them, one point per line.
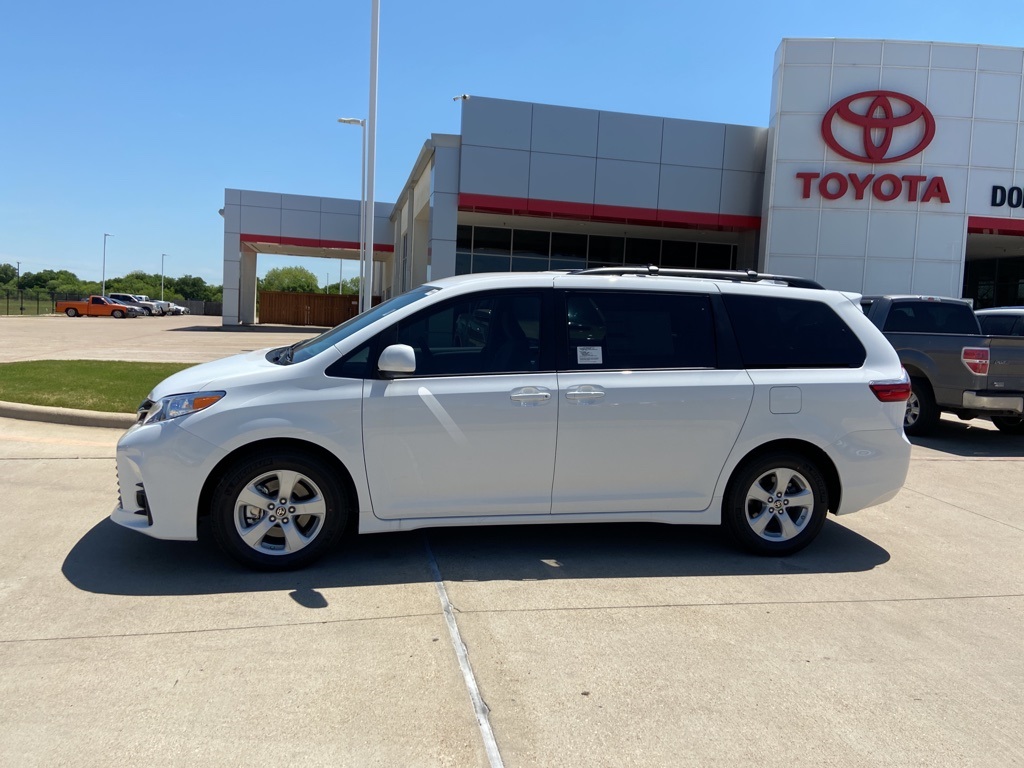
976 360
893 390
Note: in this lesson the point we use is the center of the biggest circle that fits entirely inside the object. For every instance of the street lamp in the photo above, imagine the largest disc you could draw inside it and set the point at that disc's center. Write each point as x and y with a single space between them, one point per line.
371 154
103 285
162 256
21 296
362 204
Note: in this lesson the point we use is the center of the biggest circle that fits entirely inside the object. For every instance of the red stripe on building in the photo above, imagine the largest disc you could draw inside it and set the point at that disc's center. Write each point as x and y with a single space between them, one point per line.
986 225
312 242
619 214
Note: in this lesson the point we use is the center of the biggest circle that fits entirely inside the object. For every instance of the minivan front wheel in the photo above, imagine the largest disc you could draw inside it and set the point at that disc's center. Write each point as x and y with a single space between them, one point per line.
776 503
278 510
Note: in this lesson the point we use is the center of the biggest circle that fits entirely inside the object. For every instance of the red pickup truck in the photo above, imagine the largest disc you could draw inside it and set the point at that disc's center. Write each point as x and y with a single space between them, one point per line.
95 306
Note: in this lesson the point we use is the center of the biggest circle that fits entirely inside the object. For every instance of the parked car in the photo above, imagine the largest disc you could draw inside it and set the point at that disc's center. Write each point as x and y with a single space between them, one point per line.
1001 321
606 395
144 307
952 366
160 305
95 306
177 309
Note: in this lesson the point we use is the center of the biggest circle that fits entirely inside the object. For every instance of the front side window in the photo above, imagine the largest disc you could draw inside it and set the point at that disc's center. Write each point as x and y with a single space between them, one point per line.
312 347
622 330
791 333
478 334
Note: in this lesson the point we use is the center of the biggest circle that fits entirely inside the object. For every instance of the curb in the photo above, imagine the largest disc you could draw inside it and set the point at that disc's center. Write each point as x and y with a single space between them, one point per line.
70 416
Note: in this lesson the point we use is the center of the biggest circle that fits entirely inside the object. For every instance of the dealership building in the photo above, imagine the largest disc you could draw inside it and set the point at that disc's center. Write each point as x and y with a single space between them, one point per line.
885 167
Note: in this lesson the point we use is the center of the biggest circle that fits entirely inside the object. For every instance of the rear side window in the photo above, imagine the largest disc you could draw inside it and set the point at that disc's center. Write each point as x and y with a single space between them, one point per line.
625 331
998 325
791 333
930 317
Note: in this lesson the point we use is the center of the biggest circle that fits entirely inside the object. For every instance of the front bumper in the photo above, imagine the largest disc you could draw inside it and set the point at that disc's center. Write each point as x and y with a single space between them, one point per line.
161 470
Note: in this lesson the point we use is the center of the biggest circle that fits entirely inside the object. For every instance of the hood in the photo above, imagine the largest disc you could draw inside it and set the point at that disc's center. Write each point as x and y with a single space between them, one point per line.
218 374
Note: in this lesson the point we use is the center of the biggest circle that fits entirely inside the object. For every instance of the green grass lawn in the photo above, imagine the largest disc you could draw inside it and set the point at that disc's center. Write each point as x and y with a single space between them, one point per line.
92 385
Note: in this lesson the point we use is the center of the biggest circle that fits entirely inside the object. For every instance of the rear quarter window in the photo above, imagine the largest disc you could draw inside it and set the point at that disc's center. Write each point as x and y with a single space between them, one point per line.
791 333
931 317
999 325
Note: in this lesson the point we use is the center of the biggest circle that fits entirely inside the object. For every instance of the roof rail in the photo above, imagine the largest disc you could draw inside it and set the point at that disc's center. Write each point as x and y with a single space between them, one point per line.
735 275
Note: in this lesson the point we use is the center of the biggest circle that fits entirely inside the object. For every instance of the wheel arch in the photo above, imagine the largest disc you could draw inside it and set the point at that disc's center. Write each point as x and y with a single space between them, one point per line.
821 459
280 444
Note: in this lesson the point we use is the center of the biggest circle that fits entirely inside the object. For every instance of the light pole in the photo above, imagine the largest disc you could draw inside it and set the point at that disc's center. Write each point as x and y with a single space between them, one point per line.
21 297
103 285
162 256
371 154
362 203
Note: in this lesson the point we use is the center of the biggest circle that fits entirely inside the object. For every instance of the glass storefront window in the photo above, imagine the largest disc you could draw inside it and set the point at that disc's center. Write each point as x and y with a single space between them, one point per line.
527 242
488 262
491 240
528 264
464 238
678 255
568 249
641 251
714 256
606 251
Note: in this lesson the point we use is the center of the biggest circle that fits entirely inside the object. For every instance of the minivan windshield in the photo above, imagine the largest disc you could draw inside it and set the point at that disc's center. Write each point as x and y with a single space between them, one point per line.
311 347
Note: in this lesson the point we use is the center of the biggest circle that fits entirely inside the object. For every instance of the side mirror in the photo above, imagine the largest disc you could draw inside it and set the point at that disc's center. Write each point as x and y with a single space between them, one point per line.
397 359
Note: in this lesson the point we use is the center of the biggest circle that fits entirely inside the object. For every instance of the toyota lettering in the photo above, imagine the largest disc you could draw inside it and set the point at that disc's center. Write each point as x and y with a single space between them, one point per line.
876 127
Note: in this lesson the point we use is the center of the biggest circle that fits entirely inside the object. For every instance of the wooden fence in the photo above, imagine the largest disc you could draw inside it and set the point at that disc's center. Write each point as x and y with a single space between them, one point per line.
320 309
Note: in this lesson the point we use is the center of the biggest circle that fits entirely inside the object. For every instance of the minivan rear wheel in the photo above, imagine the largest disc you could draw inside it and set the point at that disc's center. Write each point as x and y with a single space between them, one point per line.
776 503
278 510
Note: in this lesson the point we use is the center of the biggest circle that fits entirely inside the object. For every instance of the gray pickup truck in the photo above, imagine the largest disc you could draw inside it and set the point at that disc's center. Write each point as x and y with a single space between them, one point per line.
952 366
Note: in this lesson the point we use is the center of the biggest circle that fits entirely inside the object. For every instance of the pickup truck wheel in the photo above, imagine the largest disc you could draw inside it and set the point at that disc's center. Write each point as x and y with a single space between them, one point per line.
117 313
278 510
775 504
922 414
146 311
71 312
1011 425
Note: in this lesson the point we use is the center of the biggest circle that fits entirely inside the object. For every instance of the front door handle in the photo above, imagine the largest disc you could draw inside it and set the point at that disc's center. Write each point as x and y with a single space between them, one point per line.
530 395
584 392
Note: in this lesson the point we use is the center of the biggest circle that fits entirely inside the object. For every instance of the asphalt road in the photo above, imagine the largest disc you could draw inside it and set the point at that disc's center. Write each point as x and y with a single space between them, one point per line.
894 640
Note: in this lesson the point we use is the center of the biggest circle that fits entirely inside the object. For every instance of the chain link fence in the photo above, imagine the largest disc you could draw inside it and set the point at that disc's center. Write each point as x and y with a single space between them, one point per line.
26 302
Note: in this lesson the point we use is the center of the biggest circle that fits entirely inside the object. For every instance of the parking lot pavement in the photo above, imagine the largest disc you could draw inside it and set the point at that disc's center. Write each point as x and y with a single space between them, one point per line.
175 339
894 640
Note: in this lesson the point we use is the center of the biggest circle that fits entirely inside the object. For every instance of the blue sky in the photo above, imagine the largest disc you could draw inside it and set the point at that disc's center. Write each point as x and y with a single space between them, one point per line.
132 118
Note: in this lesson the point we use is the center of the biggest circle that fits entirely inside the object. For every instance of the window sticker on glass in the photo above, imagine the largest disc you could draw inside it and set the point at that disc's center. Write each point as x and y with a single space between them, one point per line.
589 356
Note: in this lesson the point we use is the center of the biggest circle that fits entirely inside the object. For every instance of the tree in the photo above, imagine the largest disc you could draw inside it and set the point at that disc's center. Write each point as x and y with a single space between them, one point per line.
8 274
293 279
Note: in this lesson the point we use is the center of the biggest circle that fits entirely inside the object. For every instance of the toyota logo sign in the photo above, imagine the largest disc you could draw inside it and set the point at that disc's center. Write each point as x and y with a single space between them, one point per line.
878 127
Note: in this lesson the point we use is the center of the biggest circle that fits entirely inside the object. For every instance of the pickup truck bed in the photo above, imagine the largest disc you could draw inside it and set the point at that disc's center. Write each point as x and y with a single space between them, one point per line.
953 367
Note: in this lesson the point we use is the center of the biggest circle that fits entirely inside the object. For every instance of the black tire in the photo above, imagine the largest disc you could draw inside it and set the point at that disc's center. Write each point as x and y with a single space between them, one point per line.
117 313
1010 425
922 415
71 312
775 525
258 478
146 311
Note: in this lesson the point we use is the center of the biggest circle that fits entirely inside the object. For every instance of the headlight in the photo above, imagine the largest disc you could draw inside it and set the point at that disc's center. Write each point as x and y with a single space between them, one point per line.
176 405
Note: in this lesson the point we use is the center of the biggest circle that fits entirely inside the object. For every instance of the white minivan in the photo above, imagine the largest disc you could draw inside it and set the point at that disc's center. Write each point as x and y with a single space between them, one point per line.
616 394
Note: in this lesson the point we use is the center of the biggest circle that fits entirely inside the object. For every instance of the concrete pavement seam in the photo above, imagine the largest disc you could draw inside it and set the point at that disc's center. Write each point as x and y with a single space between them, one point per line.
483 717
